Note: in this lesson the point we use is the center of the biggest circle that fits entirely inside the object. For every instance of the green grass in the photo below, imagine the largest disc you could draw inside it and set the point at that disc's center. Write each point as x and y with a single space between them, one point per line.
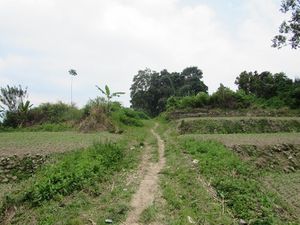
250 125
149 215
49 142
80 185
238 183
74 171
185 196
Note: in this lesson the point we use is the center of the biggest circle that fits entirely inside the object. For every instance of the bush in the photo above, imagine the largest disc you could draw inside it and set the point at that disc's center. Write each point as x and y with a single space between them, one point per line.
50 127
53 113
196 101
129 117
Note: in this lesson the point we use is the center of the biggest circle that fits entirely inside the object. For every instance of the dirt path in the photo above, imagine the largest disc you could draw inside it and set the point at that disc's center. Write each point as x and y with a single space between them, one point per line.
145 194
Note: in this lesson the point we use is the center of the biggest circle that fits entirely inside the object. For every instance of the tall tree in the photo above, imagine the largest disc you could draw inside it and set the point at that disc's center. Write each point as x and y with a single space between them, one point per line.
289 31
150 90
192 81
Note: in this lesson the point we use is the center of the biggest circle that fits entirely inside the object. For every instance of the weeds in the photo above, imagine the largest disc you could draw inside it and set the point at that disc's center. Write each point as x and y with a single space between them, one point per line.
236 182
73 172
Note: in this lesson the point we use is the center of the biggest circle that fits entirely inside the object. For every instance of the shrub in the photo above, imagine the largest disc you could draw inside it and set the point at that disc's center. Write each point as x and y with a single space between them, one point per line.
195 101
129 117
53 113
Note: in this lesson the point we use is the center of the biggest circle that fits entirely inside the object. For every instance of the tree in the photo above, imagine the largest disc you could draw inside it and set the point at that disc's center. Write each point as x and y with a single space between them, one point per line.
12 97
192 81
141 99
150 90
109 95
289 31
244 81
15 109
73 73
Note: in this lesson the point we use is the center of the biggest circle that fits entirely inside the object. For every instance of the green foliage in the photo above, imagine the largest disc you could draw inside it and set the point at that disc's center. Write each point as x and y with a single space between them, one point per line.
223 98
74 171
263 90
109 95
270 90
228 99
235 181
150 90
50 127
53 113
129 117
200 100
289 31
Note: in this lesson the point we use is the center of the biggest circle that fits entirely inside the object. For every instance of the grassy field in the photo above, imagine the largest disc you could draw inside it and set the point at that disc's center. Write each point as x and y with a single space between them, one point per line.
82 184
20 143
270 161
207 179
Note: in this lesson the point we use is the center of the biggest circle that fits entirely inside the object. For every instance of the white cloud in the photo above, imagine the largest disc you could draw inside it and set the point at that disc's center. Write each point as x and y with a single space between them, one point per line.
107 42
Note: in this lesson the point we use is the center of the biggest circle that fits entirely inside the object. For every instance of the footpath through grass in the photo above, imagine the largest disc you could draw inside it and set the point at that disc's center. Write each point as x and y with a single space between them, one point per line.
210 184
79 187
186 198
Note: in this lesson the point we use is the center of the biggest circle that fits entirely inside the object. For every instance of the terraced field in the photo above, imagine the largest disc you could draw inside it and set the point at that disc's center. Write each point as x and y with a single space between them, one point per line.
270 146
167 177
21 143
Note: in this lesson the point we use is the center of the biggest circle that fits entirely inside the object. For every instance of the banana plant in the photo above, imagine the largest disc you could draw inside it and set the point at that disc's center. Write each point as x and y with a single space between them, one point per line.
109 95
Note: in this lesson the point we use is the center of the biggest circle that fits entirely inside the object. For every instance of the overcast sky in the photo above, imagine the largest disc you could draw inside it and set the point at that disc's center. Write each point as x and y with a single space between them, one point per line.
108 41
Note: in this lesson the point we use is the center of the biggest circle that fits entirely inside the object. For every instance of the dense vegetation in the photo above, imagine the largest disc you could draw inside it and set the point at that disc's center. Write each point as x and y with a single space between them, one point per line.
150 90
255 90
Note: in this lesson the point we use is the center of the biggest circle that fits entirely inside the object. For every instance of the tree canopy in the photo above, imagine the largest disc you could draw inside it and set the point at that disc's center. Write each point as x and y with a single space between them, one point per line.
289 31
267 85
150 90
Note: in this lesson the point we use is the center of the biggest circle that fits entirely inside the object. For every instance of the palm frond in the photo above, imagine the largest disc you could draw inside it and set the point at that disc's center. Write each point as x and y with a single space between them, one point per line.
103 92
